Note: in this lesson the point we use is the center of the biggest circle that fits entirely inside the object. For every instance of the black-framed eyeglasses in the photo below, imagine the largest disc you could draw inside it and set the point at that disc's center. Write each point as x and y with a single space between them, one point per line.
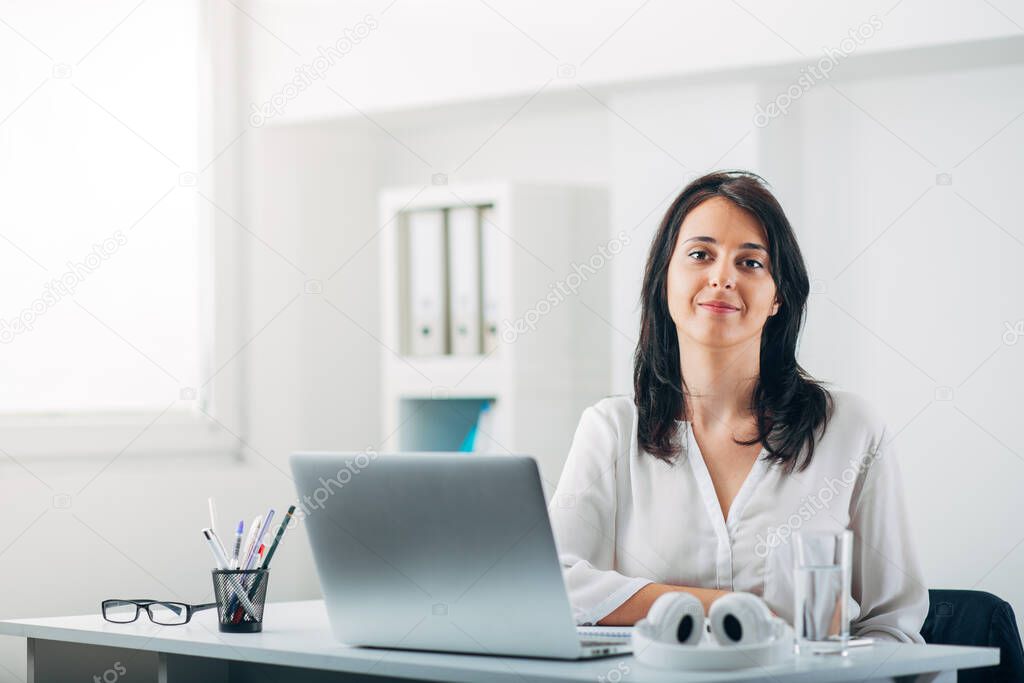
160 612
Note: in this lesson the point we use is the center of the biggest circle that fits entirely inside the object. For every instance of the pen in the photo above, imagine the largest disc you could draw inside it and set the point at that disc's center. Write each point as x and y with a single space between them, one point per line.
251 559
277 537
213 513
263 556
233 607
218 554
250 545
250 541
221 548
238 543
237 615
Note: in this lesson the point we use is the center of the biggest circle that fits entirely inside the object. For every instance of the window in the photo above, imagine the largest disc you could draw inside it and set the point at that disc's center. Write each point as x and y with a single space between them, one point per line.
100 248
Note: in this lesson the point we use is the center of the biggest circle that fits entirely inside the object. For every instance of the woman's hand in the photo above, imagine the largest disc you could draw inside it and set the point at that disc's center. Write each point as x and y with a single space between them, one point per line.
636 607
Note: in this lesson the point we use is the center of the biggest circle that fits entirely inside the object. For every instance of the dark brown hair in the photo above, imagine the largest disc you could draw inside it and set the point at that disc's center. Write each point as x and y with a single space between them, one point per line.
788 403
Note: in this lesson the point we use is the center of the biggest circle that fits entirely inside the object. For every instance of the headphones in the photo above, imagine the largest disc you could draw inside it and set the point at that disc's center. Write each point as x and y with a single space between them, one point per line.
676 635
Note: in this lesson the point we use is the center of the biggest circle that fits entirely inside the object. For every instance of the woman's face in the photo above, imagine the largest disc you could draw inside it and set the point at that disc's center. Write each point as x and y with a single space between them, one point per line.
720 255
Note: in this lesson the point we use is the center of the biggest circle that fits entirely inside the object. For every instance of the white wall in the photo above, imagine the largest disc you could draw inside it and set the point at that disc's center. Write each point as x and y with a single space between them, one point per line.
924 305
458 50
662 137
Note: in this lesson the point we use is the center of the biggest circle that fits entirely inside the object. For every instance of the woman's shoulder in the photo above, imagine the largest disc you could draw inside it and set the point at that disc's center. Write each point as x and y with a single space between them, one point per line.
606 429
618 409
614 416
855 423
853 411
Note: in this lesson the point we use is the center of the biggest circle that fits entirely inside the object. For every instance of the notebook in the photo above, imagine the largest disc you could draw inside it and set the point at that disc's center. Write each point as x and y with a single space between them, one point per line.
625 632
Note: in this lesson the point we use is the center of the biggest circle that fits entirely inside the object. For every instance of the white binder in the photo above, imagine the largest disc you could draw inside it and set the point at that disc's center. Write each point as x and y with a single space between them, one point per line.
464 281
427 283
491 241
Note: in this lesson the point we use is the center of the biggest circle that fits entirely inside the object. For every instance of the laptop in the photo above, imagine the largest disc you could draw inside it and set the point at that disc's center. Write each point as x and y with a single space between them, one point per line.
445 552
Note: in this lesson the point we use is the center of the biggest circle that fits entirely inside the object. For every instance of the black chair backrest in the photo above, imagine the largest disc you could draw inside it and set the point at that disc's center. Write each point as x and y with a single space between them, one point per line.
962 617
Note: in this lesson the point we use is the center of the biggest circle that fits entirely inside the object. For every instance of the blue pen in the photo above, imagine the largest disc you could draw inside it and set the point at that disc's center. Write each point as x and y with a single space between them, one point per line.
238 544
253 555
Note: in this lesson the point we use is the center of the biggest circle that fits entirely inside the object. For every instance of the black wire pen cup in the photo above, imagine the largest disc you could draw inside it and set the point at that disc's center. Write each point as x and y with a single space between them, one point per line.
241 596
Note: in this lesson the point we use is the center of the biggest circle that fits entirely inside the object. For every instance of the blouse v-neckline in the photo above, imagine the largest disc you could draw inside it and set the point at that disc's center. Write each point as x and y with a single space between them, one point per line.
725 527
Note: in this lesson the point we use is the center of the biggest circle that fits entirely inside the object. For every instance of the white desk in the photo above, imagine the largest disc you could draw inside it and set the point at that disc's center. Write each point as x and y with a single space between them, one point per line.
296 646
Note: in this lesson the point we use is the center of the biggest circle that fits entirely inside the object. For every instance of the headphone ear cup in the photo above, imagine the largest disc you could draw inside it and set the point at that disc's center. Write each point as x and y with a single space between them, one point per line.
741 619
676 618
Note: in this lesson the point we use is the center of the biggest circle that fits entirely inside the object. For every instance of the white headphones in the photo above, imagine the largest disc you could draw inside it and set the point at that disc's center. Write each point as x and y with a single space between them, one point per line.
674 634
675 617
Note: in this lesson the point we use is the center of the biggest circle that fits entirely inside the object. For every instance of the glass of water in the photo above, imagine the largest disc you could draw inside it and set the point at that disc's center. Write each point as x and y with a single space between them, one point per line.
821 614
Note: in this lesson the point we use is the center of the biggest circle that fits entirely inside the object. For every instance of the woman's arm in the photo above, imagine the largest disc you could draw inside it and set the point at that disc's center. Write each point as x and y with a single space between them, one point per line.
887 580
635 608
582 514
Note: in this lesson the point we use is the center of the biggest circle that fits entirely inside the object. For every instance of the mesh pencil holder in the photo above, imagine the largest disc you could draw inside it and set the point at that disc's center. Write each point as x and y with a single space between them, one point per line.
241 596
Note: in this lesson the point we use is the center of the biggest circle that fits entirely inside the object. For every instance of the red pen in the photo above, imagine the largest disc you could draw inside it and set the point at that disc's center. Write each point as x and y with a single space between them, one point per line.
237 616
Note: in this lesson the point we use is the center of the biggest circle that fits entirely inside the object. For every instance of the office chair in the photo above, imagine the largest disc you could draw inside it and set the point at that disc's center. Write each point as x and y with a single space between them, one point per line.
964 617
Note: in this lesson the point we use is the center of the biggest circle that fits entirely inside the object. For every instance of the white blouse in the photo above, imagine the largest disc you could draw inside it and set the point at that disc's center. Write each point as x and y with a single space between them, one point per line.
623 518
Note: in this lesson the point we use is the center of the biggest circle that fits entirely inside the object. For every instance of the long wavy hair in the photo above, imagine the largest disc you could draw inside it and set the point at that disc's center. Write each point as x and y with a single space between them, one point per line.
790 405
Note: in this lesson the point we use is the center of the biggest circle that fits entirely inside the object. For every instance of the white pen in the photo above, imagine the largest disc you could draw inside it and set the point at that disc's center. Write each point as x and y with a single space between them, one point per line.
250 541
223 550
251 559
218 553
213 514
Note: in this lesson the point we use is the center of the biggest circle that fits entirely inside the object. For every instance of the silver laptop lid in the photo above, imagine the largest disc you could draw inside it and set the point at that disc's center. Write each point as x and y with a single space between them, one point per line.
436 551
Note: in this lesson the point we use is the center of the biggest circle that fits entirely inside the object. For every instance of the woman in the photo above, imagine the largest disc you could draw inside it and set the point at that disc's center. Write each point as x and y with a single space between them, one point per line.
697 482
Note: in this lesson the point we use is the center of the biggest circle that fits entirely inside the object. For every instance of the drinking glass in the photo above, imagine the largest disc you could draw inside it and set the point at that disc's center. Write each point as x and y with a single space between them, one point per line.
821 614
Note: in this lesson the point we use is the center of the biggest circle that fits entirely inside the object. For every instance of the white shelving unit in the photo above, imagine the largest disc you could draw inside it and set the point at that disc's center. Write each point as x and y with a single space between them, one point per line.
538 381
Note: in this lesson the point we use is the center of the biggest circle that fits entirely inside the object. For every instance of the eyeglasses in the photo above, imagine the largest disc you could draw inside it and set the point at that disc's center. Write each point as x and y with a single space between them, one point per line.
165 613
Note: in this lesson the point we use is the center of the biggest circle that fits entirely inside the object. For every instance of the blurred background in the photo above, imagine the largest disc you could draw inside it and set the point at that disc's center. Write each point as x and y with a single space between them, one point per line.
206 263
